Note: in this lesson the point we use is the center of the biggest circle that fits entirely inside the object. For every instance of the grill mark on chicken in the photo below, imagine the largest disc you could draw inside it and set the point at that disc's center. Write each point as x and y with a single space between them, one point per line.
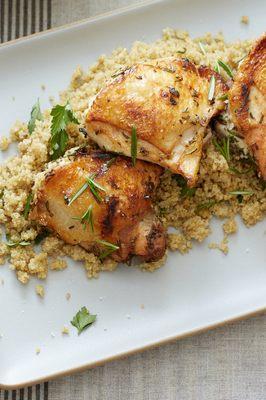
112 205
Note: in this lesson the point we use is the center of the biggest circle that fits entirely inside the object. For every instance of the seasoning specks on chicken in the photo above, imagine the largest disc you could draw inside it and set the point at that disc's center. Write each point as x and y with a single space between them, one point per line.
167 102
247 100
118 197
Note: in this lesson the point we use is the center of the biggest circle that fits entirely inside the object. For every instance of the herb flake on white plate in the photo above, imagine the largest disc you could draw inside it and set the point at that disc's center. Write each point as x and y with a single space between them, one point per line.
134 144
110 248
61 117
226 68
211 88
35 115
83 319
27 206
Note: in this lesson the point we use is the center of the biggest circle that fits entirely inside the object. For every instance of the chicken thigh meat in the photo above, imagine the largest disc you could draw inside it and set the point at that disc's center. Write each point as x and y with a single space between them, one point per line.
247 100
169 104
103 203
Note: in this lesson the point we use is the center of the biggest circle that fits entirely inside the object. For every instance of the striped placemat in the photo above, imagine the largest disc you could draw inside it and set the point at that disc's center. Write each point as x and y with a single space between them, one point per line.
37 392
21 18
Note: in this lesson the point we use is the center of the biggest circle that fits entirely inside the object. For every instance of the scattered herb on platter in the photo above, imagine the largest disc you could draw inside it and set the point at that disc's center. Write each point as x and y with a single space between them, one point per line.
27 206
202 48
185 190
61 117
240 193
86 217
182 51
35 115
211 88
14 244
110 248
223 147
83 319
217 68
223 97
134 145
206 205
225 67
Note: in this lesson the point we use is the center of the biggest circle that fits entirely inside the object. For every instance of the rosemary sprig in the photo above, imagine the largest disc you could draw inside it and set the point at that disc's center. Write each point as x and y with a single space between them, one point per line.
202 48
92 185
86 217
27 206
240 193
78 193
110 248
223 147
223 97
206 205
225 67
134 144
211 88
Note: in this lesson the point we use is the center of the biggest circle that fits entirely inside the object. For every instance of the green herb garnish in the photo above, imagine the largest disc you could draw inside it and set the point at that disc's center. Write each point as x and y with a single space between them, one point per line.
92 185
240 193
206 205
134 145
110 248
27 206
223 147
211 88
83 319
217 68
35 115
223 97
185 190
14 244
202 48
226 68
61 117
86 217
182 51
78 193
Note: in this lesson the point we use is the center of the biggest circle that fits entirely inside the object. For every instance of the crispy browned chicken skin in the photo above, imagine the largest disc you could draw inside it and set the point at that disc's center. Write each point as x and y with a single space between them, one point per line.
122 213
247 100
167 102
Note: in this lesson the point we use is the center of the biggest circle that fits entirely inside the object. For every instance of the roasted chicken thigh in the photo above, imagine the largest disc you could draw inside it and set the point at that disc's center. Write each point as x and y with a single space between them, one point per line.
247 100
169 102
103 203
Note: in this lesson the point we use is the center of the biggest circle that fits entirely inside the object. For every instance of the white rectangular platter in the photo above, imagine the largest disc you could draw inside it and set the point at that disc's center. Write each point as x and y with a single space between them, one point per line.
192 292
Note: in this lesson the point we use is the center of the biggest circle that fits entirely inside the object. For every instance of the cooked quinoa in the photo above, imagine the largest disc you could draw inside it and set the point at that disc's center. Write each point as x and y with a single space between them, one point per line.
190 215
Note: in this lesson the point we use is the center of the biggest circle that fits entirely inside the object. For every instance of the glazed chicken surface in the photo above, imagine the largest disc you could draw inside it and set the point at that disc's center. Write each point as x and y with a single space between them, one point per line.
168 103
247 100
115 208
